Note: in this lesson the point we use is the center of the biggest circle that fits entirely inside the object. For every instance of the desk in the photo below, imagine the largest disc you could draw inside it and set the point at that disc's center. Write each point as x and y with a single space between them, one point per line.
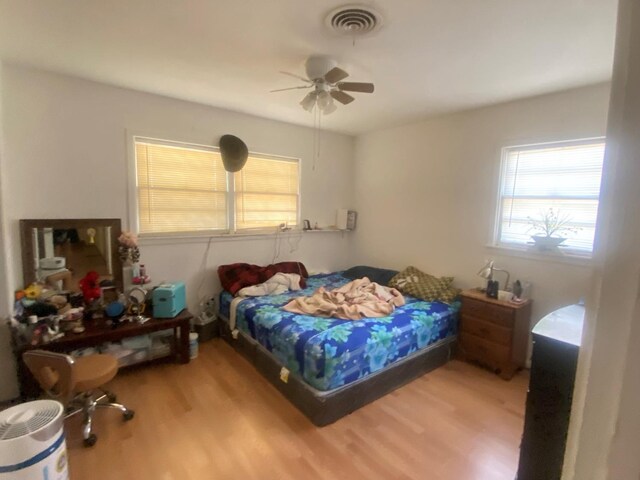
98 332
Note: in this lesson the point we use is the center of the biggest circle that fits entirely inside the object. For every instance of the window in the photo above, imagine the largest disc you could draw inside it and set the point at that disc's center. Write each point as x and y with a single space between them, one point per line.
184 188
266 193
563 177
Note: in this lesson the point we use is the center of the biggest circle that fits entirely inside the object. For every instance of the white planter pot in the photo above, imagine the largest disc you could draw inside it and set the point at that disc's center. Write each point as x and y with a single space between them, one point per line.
545 244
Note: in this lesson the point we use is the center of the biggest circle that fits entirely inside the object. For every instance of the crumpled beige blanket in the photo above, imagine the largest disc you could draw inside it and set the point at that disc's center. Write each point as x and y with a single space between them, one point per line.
353 301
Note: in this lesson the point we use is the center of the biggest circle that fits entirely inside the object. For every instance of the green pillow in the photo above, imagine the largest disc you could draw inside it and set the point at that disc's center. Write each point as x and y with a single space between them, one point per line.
449 295
421 285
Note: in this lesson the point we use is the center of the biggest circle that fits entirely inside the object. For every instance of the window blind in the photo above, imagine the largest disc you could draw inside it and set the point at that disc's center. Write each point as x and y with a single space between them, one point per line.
179 188
563 176
266 193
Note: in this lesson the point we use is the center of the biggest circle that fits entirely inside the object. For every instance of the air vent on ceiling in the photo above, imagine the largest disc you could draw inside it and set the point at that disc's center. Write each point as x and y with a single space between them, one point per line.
354 20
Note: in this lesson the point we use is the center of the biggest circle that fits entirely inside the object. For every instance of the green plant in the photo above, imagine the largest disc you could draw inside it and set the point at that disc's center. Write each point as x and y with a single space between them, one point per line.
550 223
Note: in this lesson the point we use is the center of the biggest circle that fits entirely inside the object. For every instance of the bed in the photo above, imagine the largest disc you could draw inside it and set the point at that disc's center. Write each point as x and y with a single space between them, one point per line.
329 367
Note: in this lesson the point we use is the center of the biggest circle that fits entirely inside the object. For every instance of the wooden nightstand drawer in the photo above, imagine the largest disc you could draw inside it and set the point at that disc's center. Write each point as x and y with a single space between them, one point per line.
484 351
486 330
494 332
487 312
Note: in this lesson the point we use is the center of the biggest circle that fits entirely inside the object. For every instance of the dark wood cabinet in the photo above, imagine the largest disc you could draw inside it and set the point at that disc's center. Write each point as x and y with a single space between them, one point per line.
556 344
493 332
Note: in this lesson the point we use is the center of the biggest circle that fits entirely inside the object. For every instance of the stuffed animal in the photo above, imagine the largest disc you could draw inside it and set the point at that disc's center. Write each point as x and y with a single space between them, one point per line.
90 287
60 302
33 291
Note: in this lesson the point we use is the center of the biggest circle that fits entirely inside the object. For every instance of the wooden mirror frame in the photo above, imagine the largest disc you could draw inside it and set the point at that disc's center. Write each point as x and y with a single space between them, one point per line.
27 226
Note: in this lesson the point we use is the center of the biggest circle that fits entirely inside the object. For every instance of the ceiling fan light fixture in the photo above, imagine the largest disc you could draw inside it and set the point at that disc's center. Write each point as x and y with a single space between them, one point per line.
329 108
324 100
309 101
316 66
327 86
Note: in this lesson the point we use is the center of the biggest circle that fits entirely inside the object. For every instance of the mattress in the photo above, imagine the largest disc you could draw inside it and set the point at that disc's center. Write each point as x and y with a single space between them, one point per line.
329 353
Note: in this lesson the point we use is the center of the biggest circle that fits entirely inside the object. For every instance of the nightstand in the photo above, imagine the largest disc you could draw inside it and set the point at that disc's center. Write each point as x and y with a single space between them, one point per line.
493 332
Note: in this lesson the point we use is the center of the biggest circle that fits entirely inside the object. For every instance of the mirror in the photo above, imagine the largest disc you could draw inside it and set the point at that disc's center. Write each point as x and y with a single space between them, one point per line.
60 252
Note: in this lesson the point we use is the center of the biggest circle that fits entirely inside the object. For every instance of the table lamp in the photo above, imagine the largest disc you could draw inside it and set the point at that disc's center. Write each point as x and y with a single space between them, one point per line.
487 273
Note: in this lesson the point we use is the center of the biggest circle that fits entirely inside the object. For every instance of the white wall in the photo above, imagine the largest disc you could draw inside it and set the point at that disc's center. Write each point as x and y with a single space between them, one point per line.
426 192
8 386
605 424
66 154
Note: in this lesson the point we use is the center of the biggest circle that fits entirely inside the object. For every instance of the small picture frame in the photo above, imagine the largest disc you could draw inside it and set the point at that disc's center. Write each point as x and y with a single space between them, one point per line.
306 225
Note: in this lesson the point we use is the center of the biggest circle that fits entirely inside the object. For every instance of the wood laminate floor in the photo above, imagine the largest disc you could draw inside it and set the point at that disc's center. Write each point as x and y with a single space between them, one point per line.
217 418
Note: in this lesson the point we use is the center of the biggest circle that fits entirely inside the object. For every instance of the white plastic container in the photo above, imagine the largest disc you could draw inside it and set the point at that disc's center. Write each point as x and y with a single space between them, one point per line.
32 445
193 345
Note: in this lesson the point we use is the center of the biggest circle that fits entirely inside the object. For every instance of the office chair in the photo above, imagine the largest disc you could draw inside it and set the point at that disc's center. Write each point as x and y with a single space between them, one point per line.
74 381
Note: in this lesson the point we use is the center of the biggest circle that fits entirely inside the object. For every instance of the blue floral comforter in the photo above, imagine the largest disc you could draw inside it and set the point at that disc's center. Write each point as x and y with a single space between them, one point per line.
330 352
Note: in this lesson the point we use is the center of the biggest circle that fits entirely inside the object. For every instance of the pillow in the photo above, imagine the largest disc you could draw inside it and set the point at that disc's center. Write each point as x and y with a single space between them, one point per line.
381 276
449 295
424 286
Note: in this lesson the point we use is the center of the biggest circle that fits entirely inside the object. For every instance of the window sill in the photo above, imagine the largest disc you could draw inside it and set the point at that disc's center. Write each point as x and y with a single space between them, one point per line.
169 239
550 257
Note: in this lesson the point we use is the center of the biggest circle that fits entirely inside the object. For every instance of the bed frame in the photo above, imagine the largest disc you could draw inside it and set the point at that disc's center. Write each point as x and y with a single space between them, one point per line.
325 407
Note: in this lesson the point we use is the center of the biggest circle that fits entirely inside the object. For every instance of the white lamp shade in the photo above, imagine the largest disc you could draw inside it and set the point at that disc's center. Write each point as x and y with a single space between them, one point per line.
486 271
324 100
309 101
329 108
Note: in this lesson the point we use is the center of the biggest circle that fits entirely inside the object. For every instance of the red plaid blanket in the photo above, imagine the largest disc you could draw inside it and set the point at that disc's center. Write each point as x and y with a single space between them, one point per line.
235 276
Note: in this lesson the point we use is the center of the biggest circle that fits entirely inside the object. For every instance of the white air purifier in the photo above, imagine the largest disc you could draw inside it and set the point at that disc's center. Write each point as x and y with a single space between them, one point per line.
32 445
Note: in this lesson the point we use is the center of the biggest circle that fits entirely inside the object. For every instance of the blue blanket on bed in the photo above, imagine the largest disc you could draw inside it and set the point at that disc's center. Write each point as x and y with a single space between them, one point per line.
329 352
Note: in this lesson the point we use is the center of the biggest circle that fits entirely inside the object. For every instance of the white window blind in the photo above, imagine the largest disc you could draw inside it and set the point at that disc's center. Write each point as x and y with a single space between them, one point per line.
563 176
184 188
266 193
180 188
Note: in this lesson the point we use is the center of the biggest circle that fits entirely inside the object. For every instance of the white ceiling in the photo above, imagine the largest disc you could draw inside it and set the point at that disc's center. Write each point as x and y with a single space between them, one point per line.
430 57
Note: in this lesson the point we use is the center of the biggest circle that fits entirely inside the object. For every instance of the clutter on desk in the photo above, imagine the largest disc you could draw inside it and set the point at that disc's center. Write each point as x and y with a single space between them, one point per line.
140 276
169 299
137 304
130 256
43 313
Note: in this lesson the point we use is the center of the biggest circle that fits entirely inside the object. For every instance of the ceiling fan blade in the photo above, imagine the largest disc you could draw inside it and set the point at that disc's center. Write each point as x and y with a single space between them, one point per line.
335 75
296 76
343 98
290 88
355 87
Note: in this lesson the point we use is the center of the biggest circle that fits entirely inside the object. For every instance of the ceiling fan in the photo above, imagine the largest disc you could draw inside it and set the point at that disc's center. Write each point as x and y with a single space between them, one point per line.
325 78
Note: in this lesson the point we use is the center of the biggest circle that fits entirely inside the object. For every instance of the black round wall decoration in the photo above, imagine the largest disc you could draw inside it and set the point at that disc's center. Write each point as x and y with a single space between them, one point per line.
234 153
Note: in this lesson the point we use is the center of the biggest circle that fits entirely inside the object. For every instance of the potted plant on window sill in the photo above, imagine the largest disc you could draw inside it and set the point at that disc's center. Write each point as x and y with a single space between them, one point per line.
549 229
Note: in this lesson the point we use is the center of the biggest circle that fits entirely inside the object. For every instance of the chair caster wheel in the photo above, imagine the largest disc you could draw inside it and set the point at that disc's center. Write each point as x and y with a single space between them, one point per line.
91 440
128 415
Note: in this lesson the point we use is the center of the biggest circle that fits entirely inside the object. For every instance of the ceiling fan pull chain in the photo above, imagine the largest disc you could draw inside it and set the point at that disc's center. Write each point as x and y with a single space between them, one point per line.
315 136
319 133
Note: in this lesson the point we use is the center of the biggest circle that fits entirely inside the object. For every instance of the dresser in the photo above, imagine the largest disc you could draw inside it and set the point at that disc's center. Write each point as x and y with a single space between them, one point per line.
493 332
556 345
